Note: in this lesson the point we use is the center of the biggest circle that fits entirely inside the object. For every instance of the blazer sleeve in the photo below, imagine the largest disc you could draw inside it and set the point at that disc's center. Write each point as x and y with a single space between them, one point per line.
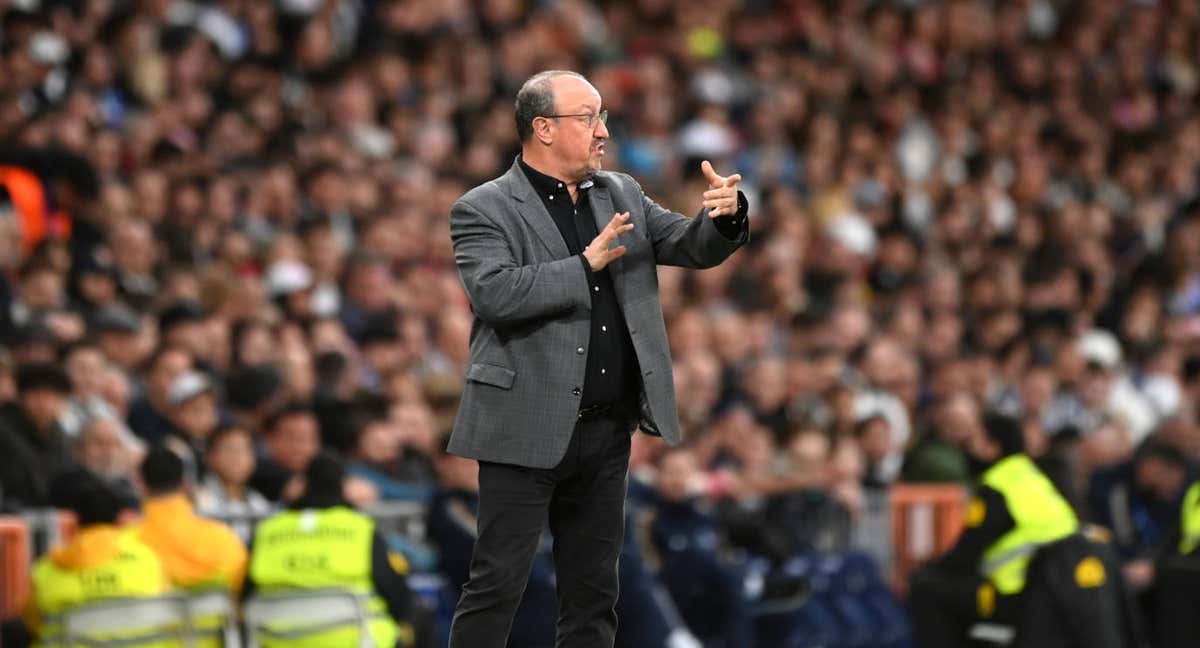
502 292
690 242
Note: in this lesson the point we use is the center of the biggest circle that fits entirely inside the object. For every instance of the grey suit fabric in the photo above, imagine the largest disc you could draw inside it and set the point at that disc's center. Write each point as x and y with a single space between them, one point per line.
531 303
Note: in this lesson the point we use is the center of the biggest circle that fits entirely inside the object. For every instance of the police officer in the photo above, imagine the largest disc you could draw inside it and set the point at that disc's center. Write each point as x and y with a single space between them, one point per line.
1015 511
320 542
102 562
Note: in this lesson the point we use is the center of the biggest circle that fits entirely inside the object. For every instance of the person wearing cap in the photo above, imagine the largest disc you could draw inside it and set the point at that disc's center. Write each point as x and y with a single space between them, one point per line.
194 414
321 541
33 448
102 561
1015 512
197 554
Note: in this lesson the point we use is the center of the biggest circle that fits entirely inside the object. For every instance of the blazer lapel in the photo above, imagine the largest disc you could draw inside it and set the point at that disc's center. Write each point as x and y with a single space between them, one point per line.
602 211
534 212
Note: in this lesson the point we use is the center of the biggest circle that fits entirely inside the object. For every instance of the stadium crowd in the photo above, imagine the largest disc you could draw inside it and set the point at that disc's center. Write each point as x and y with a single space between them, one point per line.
223 230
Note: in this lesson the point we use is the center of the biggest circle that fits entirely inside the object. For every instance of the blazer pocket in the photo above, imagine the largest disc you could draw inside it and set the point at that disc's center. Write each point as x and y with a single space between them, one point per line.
490 374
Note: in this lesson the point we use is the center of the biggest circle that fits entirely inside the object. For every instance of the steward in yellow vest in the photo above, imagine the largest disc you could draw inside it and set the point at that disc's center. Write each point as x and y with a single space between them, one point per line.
322 542
1015 511
102 562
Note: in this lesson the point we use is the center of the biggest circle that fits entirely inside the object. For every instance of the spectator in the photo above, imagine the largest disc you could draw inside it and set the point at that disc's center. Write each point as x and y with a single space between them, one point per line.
291 440
101 451
225 492
32 445
939 454
196 553
376 457
194 415
148 415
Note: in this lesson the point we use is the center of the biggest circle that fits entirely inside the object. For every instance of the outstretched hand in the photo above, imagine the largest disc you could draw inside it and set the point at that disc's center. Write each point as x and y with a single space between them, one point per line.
598 253
721 199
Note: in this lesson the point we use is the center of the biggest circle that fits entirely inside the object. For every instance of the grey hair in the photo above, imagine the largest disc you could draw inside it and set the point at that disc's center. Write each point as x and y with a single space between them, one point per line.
536 99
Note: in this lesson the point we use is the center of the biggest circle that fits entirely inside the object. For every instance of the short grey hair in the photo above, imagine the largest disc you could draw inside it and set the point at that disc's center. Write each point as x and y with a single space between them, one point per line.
536 99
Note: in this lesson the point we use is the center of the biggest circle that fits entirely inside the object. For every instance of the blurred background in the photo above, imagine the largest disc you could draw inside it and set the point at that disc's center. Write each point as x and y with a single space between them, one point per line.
213 210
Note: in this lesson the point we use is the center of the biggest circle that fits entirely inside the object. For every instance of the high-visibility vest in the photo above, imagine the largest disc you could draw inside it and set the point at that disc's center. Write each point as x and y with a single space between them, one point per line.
1041 515
134 571
315 549
1189 518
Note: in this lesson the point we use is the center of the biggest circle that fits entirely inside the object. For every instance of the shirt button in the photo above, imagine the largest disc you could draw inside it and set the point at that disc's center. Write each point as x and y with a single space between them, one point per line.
577 391
596 288
603 328
551 197
579 350
604 371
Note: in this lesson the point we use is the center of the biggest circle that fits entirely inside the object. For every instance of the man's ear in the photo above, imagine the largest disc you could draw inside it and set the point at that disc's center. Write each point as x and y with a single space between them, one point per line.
542 130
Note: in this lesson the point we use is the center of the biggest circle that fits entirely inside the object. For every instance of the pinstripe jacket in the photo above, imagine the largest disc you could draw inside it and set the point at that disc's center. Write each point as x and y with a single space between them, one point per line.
532 306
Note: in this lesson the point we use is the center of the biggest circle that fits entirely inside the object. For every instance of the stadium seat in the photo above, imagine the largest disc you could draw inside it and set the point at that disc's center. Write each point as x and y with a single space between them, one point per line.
14 565
126 622
200 607
304 613
926 520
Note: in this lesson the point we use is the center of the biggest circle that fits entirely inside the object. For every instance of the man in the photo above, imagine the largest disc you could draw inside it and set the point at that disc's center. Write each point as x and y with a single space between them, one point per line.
33 448
101 562
568 351
198 554
100 451
148 416
292 440
321 541
194 414
1015 514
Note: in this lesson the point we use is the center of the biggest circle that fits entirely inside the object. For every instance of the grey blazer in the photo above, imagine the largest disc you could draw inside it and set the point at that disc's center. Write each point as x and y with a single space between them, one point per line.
532 305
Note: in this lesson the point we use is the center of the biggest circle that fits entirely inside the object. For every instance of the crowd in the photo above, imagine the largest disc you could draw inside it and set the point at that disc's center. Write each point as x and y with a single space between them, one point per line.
224 231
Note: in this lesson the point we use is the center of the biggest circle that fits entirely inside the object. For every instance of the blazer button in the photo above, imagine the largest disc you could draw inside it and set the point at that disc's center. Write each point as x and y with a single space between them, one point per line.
579 350
577 391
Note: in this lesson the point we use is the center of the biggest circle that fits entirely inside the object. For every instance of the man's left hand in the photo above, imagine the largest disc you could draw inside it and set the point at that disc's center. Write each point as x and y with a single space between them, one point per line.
721 199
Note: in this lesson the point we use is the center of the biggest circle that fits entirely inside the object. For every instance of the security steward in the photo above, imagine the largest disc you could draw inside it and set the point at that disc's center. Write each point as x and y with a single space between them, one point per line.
322 542
1178 579
1015 511
102 562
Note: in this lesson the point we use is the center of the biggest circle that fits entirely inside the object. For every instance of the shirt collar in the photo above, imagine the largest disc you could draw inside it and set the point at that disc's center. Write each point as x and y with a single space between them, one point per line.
546 185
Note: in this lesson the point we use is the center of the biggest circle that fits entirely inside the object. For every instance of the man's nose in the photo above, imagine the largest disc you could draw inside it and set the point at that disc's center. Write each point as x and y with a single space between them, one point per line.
601 130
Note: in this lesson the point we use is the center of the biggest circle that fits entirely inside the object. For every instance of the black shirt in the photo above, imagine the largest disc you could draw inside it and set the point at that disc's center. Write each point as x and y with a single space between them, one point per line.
612 375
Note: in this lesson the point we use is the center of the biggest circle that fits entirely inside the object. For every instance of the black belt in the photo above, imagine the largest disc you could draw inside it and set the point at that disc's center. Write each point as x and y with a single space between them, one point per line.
614 411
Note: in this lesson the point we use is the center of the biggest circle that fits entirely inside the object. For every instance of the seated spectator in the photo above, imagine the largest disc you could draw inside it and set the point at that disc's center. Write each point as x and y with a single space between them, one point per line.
291 439
225 492
149 413
194 415
337 547
1139 501
101 562
939 454
376 459
687 540
33 448
196 553
102 451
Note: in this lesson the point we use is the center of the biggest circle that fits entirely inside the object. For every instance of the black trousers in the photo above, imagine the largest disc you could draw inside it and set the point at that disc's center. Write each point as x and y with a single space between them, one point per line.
583 498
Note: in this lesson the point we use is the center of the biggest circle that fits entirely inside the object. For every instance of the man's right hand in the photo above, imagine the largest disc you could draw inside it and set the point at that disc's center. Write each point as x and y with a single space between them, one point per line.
597 252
